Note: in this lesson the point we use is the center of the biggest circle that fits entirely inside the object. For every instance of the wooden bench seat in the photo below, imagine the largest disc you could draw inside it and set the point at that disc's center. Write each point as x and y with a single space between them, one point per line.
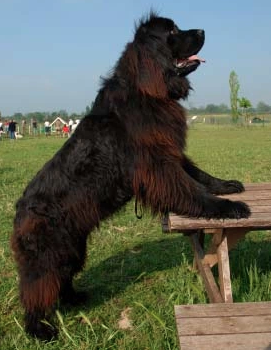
236 326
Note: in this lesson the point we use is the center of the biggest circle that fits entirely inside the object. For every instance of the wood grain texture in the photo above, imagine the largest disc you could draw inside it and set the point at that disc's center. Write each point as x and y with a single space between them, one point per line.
257 196
220 326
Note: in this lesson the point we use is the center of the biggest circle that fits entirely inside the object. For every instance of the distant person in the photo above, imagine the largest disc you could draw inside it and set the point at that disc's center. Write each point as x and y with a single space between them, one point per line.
58 127
34 127
12 129
6 124
47 128
77 121
1 130
65 131
70 125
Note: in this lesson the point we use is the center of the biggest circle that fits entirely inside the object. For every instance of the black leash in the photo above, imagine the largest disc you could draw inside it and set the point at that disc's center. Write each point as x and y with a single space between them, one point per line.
139 216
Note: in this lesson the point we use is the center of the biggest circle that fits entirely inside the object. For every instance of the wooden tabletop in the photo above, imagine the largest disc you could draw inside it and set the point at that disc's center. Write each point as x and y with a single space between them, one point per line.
256 195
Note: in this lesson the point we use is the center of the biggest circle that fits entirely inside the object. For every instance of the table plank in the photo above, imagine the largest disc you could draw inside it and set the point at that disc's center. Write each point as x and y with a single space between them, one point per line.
256 221
221 326
253 341
213 310
224 325
257 196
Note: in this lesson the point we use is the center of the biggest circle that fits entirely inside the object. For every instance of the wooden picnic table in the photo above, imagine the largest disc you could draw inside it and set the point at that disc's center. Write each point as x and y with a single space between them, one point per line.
224 324
225 235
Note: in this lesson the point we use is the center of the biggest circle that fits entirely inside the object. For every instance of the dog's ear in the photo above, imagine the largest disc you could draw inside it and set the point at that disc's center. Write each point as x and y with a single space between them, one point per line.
144 71
150 79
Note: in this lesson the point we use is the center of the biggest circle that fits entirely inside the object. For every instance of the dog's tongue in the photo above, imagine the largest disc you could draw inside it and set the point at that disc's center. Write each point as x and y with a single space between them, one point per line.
195 57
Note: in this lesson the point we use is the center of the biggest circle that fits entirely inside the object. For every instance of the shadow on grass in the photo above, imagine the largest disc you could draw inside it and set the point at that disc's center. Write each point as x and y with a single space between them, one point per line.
248 252
251 269
113 275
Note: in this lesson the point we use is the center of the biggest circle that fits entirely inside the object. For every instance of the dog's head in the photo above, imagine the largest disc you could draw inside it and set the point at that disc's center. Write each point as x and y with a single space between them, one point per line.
166 55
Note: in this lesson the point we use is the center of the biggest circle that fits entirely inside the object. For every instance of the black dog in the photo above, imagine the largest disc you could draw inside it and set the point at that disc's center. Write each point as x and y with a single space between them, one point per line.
131 144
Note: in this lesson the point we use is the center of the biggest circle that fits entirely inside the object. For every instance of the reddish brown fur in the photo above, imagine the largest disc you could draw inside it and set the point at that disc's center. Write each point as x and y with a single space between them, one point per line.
41 293
151 81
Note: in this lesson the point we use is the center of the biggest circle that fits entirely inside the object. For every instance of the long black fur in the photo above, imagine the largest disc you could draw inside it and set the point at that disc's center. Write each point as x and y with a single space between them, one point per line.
131 144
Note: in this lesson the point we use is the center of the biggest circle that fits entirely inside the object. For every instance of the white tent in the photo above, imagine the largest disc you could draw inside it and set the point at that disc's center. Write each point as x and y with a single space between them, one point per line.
60 119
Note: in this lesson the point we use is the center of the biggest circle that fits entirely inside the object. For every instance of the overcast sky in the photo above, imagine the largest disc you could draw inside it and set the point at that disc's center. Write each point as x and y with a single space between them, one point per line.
53 52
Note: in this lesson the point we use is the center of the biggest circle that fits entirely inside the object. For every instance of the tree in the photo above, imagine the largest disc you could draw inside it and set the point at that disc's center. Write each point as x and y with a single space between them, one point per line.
63 114
263 107
234 88
244 104
17 116
223 108
211 108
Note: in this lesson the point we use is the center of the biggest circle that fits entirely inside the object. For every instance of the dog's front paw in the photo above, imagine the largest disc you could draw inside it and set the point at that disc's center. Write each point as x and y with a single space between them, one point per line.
232 186
234 210
42 330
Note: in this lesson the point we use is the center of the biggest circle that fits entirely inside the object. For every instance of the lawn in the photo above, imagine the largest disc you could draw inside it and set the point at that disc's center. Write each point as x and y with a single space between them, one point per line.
134 274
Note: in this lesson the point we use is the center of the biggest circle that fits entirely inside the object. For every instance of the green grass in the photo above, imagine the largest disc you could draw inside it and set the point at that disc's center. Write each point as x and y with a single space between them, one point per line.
131 264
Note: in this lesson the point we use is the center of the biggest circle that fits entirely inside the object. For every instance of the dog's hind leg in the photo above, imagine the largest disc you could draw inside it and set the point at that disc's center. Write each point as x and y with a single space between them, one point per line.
213 184
38 296
38 262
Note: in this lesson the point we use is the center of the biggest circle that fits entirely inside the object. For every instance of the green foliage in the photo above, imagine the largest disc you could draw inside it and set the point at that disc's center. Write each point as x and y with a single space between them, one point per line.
131 264
42 116
263 107
244 104
209 109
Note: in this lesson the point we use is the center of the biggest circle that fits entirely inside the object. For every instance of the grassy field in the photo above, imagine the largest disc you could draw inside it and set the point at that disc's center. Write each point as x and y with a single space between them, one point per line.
133 271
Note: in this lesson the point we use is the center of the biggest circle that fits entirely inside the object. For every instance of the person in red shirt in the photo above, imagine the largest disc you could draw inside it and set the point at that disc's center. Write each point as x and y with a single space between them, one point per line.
65 131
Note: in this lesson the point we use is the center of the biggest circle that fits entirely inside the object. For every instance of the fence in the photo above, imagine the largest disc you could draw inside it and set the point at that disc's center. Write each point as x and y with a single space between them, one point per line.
224 119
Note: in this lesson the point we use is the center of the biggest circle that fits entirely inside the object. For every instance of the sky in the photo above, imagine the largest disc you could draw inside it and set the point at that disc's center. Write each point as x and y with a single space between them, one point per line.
53 52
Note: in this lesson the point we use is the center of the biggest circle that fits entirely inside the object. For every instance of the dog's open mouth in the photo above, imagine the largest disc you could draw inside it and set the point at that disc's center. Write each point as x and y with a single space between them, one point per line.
185 62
